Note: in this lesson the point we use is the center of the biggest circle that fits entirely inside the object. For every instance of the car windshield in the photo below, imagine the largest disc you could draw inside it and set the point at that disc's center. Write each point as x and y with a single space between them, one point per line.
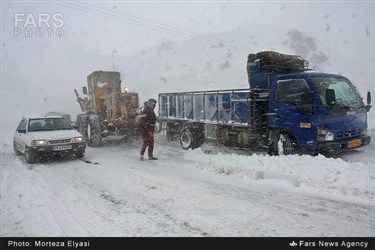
345 92
48 124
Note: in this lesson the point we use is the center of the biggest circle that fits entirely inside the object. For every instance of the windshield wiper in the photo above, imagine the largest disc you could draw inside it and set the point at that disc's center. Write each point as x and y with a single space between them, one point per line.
358 104
341 106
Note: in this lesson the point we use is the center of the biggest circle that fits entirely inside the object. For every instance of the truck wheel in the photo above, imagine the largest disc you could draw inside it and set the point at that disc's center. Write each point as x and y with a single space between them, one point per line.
29 157
190 138
285 145
273 149
81 123
273 139
94 133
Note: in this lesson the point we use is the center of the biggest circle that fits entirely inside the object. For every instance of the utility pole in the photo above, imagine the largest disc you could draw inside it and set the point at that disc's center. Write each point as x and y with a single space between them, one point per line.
113 58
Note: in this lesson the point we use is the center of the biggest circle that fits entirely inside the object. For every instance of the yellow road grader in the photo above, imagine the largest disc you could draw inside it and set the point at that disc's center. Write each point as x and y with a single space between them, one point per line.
109 111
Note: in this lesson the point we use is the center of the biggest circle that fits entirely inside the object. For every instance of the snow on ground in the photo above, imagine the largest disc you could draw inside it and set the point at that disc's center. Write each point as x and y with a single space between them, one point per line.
209 191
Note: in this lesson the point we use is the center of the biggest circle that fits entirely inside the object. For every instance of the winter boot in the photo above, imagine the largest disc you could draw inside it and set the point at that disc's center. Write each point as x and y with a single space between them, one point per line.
152 158
141 158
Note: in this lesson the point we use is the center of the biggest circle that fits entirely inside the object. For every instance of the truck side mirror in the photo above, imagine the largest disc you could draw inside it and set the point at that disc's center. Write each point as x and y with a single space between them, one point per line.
368 106
330 96
84 90
368 97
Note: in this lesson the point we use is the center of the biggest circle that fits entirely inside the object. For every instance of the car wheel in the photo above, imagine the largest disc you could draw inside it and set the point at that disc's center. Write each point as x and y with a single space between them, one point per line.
80 155
29 157
16 151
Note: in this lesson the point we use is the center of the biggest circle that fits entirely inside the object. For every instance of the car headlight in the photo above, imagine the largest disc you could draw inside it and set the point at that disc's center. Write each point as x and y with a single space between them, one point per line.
79 139
325 135
39 142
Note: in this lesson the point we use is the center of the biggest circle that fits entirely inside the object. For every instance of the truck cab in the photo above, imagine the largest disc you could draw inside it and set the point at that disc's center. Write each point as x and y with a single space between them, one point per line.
316 113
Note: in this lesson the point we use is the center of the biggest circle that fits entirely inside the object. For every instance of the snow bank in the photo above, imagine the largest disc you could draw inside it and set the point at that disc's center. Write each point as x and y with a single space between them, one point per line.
318 175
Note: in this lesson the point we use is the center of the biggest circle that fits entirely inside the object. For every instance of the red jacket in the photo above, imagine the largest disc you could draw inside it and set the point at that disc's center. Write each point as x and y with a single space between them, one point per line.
147 121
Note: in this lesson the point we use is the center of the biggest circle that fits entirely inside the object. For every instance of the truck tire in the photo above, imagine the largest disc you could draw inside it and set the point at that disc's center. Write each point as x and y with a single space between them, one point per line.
273 139
191 138
286 146
93 131
81 123
89 127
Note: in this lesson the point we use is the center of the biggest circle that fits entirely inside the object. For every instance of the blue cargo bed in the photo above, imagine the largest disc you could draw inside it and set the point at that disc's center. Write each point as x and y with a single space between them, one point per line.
237 106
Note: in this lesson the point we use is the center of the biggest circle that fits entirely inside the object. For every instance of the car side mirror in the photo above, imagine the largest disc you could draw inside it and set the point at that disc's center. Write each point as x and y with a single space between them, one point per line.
23 131
84 90
75 127
330 96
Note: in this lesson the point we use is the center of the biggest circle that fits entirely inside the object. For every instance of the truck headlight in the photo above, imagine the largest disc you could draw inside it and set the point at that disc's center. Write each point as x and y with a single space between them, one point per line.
39 142
78 139
364 131
325 135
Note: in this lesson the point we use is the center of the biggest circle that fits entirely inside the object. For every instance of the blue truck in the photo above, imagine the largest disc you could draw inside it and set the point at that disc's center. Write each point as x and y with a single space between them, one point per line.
287 109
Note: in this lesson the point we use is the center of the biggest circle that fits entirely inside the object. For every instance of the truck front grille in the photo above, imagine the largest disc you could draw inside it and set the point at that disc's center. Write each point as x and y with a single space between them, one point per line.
348 134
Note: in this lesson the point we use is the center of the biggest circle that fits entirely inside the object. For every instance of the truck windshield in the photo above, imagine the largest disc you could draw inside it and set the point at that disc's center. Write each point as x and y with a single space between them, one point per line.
346 93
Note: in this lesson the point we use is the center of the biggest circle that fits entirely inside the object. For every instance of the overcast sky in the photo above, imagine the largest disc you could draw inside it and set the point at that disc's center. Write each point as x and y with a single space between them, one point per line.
71 39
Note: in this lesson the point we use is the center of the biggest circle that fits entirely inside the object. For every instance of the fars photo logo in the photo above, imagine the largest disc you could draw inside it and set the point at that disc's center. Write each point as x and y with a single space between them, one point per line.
38 25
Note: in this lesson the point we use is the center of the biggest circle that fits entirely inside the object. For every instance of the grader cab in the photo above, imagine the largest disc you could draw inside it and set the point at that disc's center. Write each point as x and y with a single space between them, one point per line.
109 111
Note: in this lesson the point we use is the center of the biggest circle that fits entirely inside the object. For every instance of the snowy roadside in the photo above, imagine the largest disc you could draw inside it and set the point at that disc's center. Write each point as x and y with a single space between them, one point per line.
348 177
187 193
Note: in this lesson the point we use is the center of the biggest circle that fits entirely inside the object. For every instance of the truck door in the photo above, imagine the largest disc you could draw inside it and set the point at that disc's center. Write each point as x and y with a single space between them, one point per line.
291 111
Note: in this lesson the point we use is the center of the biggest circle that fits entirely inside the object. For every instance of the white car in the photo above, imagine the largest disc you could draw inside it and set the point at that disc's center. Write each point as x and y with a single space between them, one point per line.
47 136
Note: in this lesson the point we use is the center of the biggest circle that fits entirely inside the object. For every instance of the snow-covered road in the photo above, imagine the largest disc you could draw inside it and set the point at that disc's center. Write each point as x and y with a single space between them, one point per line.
188 193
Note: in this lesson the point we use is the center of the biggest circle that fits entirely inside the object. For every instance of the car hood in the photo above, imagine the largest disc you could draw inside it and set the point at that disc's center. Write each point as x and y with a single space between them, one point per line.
54 135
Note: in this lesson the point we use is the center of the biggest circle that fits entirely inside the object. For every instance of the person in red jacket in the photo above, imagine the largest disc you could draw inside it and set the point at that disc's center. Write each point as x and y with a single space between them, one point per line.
147 128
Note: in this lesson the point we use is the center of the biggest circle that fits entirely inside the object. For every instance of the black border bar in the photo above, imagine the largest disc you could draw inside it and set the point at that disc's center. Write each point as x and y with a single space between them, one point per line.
188 242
